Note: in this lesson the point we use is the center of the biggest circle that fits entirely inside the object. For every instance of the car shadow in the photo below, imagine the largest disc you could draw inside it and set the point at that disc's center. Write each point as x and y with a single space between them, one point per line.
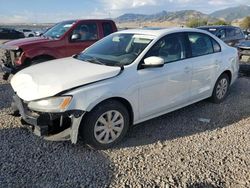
6 94
199 117
30 161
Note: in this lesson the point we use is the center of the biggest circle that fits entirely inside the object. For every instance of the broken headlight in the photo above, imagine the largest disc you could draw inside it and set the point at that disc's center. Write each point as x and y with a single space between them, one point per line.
53 104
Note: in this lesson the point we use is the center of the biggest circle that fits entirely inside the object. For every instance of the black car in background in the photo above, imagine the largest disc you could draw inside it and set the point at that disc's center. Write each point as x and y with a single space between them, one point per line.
229 34
6 33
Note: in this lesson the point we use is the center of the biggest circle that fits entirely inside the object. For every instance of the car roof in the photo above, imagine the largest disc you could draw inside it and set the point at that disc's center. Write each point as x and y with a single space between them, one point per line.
160 31
94 20
217 26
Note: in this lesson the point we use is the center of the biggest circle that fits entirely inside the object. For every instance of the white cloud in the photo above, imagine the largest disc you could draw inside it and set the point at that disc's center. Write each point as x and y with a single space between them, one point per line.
13 19
125 4
229 3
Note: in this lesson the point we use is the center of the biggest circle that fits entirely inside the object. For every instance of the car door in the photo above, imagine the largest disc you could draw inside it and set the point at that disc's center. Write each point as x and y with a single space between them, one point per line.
206 58
88 33
164 88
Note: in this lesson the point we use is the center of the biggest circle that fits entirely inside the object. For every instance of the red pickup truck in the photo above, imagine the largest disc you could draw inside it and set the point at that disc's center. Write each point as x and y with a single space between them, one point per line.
62 40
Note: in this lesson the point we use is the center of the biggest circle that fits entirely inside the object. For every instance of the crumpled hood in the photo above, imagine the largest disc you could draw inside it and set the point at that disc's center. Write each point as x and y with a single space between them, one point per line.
26 41
52 77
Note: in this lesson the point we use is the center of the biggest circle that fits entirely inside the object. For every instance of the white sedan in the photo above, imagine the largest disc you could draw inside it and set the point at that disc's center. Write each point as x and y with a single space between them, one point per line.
124 79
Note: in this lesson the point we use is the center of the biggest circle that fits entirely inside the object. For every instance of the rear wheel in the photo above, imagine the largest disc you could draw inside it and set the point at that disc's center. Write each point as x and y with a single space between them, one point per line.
220 89
105 125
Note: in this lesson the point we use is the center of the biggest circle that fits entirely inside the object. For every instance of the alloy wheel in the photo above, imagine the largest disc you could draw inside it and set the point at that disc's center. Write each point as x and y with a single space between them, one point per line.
221 89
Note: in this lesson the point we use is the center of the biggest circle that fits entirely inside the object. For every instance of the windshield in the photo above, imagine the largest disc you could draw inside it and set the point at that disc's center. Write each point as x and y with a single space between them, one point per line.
59 29
116 50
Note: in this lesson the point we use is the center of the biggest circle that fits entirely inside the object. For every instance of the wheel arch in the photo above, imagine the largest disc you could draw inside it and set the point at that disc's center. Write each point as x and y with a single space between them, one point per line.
123 101
43 56
228 73
28 60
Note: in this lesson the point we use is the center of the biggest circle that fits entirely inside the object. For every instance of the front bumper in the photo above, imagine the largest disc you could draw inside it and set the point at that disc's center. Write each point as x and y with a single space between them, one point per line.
8 65
51 126
6 70
244 52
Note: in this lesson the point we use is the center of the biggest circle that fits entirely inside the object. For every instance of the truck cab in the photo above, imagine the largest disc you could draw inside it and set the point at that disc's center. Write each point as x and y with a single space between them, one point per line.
62 40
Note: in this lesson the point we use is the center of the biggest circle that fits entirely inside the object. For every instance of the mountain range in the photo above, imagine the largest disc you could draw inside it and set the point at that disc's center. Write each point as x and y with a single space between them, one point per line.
229 14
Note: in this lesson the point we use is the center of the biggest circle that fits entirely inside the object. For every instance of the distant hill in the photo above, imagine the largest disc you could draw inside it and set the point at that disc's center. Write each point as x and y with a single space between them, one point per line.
178 16
233 13
181 17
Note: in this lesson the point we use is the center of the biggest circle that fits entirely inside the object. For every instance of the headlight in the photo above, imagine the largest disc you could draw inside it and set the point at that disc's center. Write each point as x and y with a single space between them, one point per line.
53 104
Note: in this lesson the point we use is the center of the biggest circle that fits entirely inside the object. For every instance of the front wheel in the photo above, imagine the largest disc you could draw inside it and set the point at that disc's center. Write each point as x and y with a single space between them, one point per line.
220 89
105 125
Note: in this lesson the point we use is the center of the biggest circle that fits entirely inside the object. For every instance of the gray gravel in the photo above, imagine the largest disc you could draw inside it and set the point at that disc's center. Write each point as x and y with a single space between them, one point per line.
174 150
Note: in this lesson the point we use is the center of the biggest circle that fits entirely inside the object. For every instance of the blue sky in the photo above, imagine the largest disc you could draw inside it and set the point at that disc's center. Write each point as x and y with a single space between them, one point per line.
26 11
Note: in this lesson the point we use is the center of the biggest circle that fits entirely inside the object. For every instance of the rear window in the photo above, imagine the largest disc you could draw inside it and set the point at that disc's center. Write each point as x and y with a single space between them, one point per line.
107 28
216 46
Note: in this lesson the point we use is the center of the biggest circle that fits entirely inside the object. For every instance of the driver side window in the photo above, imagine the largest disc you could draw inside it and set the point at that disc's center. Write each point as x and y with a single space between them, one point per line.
221 34
86 31
170 48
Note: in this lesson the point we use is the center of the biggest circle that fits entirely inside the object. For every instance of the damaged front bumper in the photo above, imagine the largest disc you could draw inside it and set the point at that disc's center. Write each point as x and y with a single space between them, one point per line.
8 65
51 126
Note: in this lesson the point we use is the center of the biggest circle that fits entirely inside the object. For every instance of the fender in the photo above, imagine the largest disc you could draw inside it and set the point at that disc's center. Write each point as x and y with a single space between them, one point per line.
41 51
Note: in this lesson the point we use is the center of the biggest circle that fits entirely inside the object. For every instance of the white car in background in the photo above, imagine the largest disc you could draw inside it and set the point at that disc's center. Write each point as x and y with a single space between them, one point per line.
126 78
28 33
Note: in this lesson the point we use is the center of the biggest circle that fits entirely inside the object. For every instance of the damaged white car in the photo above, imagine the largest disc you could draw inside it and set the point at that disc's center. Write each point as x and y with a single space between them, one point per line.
126 78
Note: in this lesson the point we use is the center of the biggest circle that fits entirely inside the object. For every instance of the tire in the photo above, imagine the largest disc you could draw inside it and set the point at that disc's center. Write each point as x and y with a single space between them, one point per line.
31 35
98 132
220 89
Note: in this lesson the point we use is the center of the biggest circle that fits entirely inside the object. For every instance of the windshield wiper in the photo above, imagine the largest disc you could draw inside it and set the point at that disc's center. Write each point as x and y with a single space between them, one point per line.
94 60
88 58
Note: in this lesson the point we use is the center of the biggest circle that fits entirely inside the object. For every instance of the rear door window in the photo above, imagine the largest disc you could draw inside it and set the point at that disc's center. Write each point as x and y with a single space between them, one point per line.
200 43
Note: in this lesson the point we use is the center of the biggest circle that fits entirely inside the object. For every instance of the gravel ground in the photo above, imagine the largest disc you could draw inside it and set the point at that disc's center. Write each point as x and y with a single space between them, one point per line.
174 150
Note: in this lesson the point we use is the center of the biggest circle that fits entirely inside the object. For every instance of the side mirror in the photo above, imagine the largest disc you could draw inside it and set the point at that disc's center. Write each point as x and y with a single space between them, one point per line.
153 61
76 36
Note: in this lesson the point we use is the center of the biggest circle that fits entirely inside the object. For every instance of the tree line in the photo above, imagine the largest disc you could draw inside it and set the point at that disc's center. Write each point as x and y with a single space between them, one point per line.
194 22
